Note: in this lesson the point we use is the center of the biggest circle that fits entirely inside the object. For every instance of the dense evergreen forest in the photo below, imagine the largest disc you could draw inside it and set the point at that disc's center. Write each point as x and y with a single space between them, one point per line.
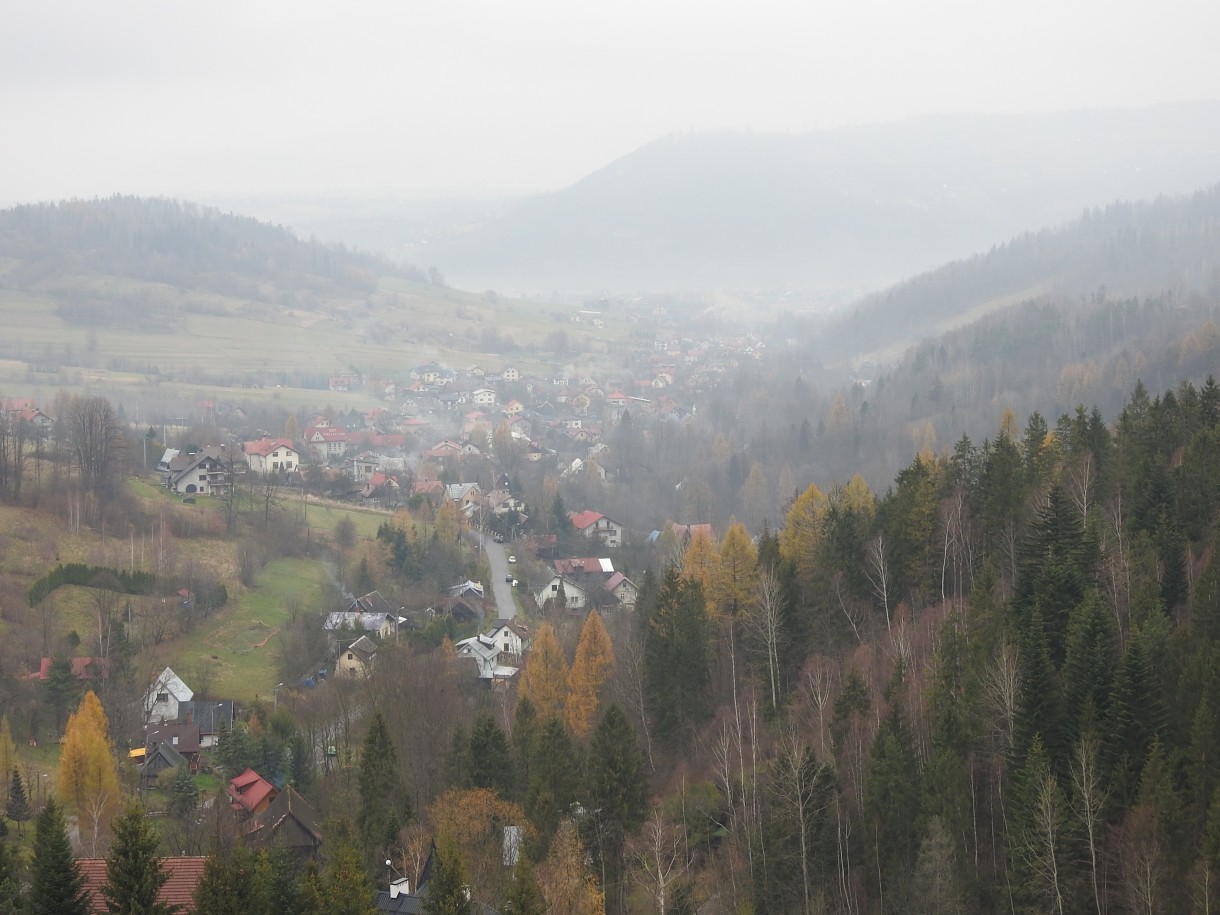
994 685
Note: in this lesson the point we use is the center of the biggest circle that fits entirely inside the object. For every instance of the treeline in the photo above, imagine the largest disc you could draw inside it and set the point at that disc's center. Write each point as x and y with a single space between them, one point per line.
77 573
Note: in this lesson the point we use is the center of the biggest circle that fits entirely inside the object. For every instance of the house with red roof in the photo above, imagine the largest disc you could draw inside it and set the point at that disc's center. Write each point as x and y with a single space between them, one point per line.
185 872
249 793
271 455
597 526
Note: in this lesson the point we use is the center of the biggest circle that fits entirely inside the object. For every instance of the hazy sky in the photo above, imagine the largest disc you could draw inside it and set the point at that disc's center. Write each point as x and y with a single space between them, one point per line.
271 96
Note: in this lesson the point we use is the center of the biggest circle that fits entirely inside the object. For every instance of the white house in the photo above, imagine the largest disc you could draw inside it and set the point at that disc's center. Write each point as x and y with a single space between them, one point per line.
596 525
206 472
484 397
512 636
163 697
272 455
576 598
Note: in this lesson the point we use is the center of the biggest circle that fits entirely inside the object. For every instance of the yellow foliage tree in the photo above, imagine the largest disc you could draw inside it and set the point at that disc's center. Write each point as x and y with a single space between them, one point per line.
592 666
701 563
475 820
87 779
738 570
544 681
567 881
802 531
858 497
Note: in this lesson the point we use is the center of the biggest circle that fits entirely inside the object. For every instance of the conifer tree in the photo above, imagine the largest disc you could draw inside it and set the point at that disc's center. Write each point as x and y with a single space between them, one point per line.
87 779
134 874
10 881
617 791
236 881
524 895
676 657
57 886
738 563
447 892
555 779
592 666
18 803
342 888
384 804
544 681
525 735
490 762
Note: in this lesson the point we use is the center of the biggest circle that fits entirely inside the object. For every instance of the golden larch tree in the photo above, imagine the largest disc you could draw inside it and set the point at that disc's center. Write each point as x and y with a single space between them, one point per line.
567 880
87 779
701 563
802 531
544 681
738 570
592 666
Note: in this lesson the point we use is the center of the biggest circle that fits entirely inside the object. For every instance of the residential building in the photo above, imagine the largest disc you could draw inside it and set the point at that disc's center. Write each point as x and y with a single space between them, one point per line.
272 455
163 697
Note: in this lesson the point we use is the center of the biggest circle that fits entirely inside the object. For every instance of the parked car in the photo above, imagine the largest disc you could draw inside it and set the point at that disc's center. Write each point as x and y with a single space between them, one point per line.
512 558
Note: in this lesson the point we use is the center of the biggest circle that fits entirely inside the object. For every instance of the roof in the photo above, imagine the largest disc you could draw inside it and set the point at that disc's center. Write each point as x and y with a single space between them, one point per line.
590 566
372 602
363 646
368 622
248 790
617 579
179 890
182 737
82 668
584 519
172 684
209 714
287 804
264 446
173 759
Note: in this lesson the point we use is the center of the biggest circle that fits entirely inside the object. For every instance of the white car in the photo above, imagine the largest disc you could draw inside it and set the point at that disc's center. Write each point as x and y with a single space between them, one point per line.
512 559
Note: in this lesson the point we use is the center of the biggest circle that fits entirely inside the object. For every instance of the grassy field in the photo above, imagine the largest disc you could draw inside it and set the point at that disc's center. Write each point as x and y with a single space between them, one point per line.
238 646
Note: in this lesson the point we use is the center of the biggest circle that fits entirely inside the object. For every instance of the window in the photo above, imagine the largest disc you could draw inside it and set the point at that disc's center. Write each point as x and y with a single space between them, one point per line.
163 697
554 588
350 656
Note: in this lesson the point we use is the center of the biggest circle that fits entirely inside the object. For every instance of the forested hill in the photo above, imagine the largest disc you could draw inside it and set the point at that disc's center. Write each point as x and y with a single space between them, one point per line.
846 209
1171 244
174 243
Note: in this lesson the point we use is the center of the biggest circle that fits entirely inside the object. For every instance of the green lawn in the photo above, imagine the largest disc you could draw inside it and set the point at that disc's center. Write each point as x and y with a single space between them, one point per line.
239 644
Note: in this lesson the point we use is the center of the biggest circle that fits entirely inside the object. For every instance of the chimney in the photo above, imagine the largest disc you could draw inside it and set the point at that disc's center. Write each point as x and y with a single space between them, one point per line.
400 887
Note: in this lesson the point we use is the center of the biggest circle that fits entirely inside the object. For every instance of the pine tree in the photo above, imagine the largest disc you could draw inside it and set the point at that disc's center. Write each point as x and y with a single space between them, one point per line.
134 875
18 804
544 681
617 790
676 657
447 893
592 666
56 884
184 793
236 881
384 804
525 895
342 889
555 779
491 764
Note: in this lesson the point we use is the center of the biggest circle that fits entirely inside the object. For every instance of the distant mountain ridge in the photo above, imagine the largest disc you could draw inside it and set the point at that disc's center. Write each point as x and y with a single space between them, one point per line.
854 208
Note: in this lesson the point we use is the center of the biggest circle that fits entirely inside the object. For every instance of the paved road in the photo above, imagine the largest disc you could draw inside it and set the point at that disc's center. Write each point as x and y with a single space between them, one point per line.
497 560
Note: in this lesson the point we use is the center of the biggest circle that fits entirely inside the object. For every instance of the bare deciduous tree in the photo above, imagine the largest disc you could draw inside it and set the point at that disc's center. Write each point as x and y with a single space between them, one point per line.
97 443
764 626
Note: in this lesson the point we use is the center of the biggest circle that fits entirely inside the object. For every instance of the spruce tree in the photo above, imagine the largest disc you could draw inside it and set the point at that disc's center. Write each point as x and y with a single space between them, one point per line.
491 764
57 886
237 881
524 895
555 779
134 875
447 886
384 804
617 790
676 669
10 881
18 804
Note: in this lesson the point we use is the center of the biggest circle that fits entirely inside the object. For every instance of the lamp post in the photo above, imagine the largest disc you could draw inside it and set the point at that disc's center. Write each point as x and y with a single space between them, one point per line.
275 697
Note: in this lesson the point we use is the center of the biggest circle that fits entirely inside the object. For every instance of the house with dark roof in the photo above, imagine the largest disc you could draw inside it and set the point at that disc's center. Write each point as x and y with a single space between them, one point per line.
209 715
357 659
161 757
206 472
286 822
